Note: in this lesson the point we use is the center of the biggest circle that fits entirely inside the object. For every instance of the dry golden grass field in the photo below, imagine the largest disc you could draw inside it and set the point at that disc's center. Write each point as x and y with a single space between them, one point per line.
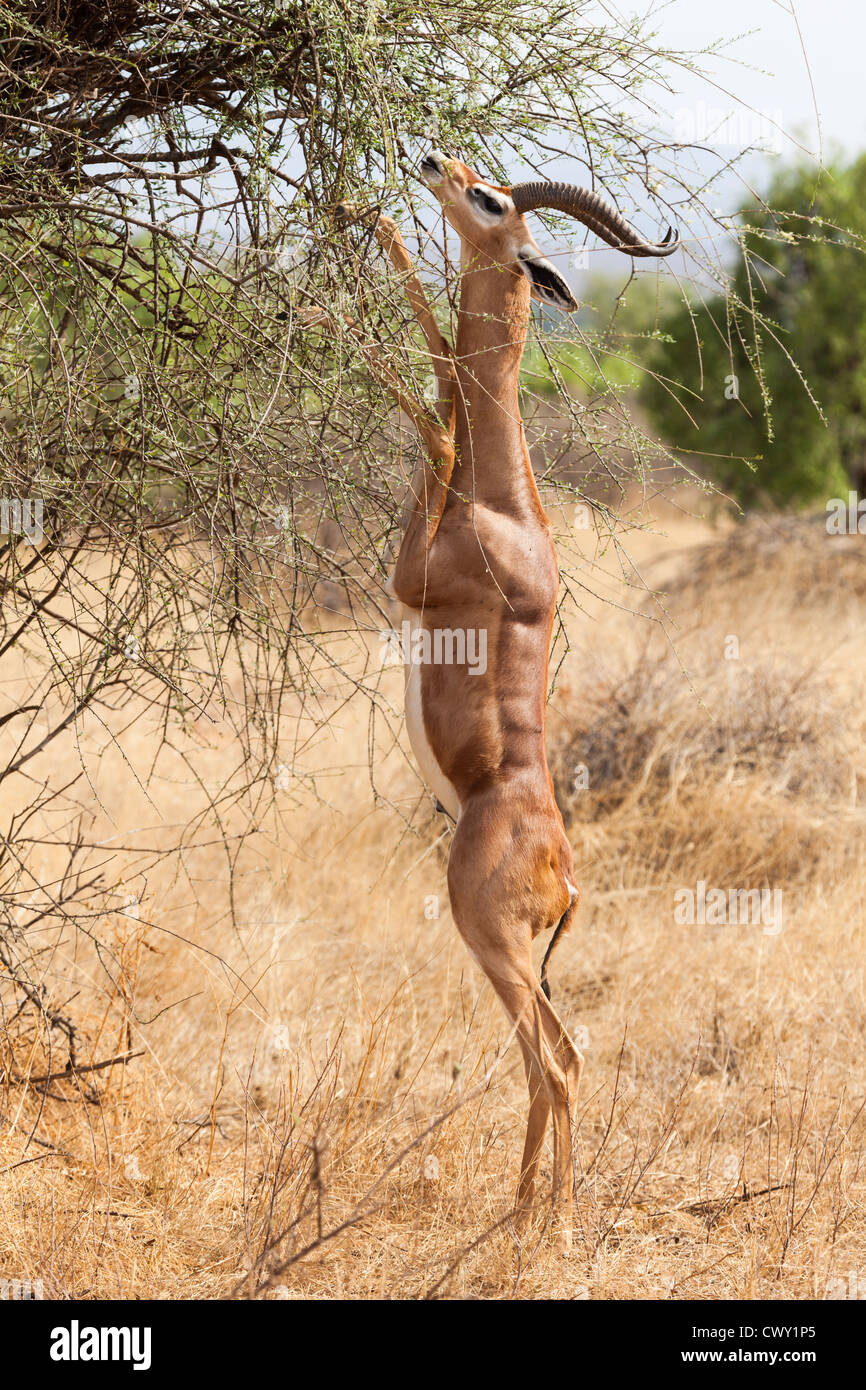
325 1102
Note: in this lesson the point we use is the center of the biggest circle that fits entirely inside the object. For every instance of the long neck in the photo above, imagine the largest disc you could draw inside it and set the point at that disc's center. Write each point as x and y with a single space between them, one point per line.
492 462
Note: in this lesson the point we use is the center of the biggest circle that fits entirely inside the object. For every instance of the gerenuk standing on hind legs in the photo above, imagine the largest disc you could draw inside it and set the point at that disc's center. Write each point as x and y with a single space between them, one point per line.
477 557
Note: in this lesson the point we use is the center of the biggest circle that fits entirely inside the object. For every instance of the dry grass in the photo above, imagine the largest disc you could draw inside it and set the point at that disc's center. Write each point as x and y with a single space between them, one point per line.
326 1103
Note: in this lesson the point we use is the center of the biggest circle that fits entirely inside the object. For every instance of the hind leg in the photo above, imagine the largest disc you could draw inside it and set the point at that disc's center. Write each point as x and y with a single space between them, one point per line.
504 953
536 1128
571 1068
556 1062
561 1065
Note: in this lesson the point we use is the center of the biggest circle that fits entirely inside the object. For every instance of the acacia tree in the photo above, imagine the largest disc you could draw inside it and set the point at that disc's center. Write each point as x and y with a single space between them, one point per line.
195 460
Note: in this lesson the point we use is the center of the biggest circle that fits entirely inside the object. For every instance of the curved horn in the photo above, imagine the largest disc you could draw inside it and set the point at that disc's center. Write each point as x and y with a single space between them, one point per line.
595 212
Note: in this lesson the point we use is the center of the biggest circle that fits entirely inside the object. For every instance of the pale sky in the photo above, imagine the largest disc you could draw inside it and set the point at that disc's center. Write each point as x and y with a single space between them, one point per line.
781 62
796 44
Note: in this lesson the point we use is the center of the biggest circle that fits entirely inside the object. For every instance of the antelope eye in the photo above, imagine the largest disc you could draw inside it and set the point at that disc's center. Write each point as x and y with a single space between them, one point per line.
486 201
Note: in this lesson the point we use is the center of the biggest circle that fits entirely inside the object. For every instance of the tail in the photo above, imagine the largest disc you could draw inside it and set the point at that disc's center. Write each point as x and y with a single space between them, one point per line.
562 926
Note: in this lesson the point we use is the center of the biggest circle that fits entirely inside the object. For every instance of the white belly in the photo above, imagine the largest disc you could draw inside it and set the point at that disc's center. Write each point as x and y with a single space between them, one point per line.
433 775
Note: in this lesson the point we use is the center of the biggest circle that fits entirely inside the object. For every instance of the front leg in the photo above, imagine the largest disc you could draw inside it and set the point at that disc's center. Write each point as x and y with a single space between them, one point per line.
410 579
390 238
428 492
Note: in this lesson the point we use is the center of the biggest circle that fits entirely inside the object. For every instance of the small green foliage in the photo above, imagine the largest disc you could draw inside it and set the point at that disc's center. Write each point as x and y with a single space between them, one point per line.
779 413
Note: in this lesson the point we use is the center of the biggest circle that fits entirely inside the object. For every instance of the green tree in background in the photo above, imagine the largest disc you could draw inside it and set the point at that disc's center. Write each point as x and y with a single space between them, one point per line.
780 415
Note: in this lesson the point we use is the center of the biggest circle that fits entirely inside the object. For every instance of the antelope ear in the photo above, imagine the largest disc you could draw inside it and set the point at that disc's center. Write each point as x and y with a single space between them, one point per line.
547 283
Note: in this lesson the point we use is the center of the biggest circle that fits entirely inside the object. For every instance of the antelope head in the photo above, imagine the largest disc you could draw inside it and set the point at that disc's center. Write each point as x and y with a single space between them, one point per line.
490 221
